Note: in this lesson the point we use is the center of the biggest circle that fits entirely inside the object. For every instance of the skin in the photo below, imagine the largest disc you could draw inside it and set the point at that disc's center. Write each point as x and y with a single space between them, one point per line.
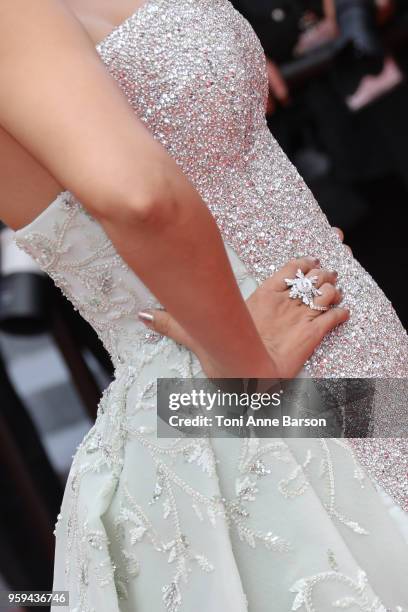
278 89
57 102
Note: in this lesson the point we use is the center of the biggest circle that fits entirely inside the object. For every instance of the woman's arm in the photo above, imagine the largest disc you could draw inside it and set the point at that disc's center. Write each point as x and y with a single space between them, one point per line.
58 101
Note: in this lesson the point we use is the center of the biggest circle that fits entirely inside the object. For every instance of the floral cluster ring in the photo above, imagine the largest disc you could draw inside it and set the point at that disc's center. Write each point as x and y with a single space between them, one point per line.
303 287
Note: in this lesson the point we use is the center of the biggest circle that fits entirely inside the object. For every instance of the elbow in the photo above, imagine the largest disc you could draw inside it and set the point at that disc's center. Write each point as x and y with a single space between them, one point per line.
153 207
154 210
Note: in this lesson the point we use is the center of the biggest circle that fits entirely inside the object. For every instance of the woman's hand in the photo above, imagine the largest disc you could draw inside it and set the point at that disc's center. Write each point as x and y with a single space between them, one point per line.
289 329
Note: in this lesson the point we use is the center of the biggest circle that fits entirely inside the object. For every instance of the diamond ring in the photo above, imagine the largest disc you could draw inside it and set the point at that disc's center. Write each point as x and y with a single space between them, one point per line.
303 288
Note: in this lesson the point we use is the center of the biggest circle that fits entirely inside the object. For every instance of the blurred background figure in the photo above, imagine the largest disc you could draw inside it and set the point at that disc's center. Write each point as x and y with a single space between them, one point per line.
337 105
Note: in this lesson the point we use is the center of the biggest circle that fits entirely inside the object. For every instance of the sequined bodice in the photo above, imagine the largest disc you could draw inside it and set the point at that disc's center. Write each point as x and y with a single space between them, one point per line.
194 72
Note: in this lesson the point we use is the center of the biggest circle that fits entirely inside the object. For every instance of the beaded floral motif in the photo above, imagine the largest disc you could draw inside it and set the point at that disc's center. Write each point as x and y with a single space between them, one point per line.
328 472
102 449
177 550
359 599
104 445
92 276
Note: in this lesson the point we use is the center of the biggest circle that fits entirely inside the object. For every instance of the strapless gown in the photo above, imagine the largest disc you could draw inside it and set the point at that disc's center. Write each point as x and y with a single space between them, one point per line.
185 525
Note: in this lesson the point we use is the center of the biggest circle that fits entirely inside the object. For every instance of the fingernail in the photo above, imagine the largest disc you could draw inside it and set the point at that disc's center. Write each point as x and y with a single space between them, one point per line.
146 317
335 273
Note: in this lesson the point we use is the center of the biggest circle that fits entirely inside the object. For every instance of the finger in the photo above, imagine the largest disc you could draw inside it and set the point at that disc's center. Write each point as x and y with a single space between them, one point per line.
271 106
279 89
330 295
289 270
277 83
339 232
323 276
163 323
329 320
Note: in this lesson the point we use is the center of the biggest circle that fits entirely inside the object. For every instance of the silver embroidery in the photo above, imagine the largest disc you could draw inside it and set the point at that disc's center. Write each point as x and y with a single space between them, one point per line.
359 598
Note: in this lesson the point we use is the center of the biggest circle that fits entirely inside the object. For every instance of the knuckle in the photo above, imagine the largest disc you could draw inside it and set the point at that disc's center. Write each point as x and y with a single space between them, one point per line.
329 276
328 290
309 262
332 292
